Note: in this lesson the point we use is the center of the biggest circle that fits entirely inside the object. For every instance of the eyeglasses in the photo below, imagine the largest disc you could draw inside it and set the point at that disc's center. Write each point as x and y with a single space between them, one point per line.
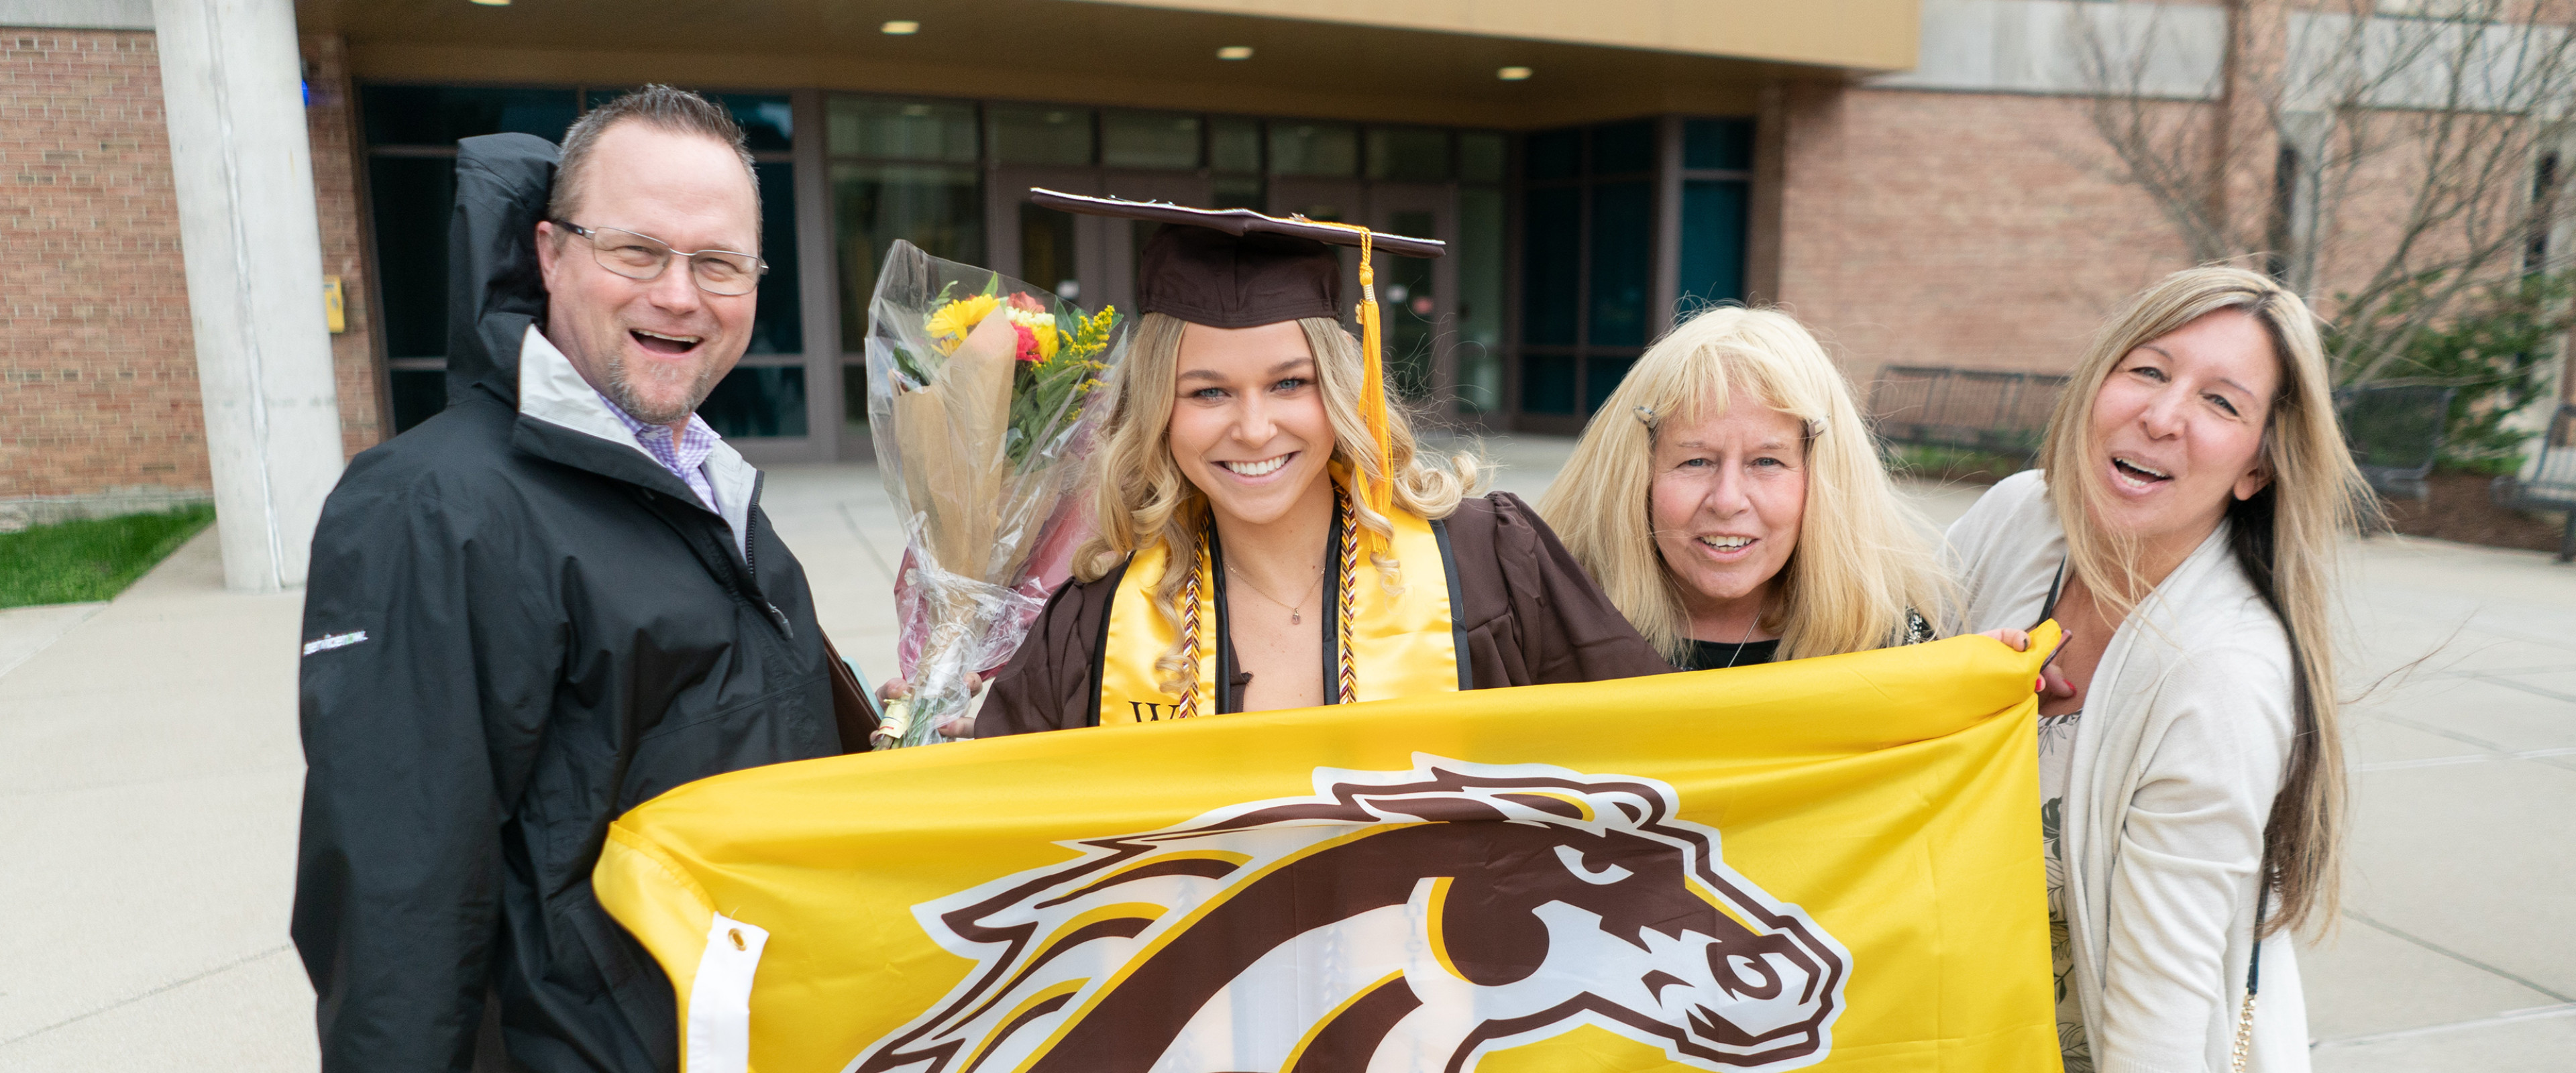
637 256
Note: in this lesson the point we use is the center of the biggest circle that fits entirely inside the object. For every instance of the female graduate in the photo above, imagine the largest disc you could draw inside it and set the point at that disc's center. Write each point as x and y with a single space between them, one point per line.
1729 500
1267 534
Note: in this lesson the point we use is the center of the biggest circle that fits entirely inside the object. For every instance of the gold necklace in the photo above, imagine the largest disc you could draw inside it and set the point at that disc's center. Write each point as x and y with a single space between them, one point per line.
1296 612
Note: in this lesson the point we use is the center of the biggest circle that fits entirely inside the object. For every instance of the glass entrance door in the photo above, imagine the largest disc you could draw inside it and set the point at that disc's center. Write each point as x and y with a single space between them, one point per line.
1052 250
1416 296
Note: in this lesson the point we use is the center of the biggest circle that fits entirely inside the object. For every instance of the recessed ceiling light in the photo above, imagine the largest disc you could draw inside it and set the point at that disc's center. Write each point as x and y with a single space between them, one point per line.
900 27
493 3
1513 74
1234 52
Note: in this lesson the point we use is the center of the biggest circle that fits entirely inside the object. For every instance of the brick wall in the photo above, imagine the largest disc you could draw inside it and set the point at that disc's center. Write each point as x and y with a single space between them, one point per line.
98 378
1972 230
331 123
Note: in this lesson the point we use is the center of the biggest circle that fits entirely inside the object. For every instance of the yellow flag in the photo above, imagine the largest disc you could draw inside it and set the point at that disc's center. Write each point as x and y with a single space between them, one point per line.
1829 863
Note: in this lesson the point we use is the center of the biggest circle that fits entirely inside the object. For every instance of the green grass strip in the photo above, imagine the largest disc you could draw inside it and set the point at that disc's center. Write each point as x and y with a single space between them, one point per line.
90 558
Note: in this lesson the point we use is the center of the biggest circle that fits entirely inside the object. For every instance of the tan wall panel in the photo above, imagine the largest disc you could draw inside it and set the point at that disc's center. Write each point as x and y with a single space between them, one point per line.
1876 35
1574 99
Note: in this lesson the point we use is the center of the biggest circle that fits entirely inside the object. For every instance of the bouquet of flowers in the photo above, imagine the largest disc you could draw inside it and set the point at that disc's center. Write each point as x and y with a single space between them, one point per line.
979 395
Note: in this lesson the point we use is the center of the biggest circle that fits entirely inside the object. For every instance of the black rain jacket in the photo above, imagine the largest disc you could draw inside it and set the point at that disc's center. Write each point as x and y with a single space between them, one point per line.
525 631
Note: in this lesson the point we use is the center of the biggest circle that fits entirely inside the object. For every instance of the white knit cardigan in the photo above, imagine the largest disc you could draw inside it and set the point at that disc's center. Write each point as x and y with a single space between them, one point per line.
2187 725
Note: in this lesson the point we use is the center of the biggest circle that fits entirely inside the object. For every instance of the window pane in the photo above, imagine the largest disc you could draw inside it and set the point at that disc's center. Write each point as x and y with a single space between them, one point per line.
1480 299
1314 149
768 122
1036 135
1552 269
1408 155
1234 143
1623 148
854 401
1046 251
1718 143
1622 262
1149 140
1555 154
756 401
1547 384
419 394
1601 376
1237 192
1411 309
1480 157
1713 223
938 209
413 197
778 325
904 130
439 115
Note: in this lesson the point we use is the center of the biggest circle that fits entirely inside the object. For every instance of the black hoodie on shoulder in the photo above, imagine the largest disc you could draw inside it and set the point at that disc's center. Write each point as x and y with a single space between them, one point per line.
516 628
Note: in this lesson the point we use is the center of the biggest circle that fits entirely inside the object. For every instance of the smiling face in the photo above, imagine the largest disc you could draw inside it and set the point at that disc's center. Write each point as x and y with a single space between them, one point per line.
1248 423
1729 493
654 347
2177 431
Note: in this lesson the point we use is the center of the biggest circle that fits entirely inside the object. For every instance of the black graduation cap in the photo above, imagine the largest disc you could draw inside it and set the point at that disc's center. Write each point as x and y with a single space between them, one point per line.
1236 268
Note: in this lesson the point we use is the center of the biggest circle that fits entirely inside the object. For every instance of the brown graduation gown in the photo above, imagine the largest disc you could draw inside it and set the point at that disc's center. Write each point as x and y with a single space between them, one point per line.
1527 613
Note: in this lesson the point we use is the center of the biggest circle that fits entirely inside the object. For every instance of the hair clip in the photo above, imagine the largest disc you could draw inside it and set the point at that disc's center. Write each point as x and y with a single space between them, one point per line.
1815 427
1645 415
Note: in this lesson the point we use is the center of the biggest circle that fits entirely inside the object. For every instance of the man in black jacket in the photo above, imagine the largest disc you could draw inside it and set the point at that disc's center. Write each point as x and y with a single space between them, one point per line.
545 605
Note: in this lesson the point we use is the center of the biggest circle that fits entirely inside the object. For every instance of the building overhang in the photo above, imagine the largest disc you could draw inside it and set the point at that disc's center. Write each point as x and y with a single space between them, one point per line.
1403 61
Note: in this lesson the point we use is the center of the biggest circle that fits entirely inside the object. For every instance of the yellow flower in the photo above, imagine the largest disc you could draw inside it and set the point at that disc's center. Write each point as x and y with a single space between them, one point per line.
949 325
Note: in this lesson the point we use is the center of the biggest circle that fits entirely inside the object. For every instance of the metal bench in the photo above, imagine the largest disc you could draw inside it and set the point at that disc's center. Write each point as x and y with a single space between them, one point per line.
2395 434
1964 409
2552 484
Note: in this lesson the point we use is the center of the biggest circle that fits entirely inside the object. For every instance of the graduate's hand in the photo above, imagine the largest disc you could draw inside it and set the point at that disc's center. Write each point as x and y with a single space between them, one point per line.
2052 684
896 689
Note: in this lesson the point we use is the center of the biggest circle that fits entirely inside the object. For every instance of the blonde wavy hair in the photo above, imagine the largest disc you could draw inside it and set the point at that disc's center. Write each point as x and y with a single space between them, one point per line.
1139 496
2287 538
1863 558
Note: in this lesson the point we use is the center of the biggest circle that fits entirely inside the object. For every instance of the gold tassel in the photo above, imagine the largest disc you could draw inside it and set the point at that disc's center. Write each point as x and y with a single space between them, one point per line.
1379 492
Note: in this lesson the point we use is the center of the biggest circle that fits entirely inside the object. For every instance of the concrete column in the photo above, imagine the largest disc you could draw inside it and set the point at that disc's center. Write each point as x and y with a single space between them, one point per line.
232 88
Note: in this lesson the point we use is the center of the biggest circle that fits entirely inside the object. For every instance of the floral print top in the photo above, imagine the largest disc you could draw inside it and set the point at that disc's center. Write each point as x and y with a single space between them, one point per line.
2056 757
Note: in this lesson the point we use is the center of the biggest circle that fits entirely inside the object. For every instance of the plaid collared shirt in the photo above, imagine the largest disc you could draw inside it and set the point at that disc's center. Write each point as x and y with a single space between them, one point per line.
685 455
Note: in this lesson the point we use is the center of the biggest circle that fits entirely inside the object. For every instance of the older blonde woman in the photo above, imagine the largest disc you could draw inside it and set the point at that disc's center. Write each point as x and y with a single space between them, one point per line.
2185 532
1731 503
1238 563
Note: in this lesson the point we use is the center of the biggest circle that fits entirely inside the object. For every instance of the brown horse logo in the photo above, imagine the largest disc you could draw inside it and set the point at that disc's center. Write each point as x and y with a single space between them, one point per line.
1394 922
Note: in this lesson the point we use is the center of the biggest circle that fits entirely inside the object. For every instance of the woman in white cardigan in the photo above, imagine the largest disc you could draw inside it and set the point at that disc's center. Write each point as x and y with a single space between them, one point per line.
2185 533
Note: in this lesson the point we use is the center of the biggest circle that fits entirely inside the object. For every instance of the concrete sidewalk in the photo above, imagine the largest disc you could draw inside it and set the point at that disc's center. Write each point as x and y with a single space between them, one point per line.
149 773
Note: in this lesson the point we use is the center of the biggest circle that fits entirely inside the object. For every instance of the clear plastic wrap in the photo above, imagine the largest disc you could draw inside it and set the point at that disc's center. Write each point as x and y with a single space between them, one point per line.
981 391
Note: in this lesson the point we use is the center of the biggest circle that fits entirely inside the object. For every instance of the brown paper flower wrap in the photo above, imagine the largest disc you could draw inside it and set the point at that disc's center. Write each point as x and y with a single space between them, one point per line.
979 395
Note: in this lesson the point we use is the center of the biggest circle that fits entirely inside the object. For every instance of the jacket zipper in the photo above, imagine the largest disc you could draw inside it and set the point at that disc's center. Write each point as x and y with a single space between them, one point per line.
750 546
